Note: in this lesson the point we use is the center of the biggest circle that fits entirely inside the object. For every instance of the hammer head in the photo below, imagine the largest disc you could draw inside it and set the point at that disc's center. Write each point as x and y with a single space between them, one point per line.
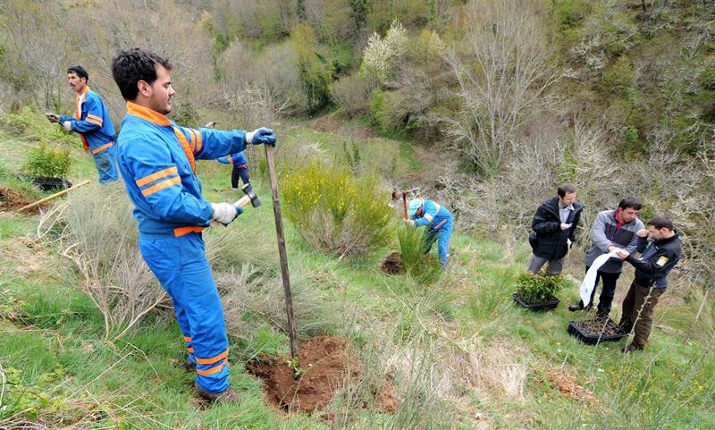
248 189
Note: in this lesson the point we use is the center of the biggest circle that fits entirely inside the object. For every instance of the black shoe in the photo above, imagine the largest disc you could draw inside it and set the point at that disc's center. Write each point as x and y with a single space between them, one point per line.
576 307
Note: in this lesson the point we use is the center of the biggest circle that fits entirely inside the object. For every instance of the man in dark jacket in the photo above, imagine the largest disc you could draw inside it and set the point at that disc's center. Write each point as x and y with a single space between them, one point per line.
612 230
554 226
658 257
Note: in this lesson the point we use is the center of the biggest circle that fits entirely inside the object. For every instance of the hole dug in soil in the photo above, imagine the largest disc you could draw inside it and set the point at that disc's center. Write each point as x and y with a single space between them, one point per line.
393 264
12 200
328 367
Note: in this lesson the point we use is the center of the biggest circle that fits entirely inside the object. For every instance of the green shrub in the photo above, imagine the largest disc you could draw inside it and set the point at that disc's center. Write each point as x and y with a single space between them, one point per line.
352 93
49 161
185 114
539 288
425 268
315 74
336 212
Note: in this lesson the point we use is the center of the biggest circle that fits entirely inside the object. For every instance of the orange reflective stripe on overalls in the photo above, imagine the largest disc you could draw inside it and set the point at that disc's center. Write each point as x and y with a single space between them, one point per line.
188 344
185 146
102 148
78 114
221 359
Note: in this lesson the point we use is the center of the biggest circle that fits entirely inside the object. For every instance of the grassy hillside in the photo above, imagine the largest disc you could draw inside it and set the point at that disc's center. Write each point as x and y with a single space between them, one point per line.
458 352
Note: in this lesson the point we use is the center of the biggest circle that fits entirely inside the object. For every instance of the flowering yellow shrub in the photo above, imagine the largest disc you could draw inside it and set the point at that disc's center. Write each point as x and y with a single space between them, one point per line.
334 211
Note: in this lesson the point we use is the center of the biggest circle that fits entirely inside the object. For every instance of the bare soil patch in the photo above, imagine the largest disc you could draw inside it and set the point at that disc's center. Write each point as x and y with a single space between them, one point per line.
393 264
328 365
568 385
12 200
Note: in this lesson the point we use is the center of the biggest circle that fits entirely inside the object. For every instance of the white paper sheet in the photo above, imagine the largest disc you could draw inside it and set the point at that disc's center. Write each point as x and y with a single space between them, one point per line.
589 282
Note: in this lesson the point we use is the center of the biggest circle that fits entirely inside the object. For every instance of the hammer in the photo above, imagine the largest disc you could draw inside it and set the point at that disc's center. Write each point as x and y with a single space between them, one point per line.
404 198
250 197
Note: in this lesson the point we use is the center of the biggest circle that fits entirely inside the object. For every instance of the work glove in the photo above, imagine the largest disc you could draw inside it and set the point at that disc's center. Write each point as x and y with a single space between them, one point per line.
261 135
224 213
67 125
409 222
52 117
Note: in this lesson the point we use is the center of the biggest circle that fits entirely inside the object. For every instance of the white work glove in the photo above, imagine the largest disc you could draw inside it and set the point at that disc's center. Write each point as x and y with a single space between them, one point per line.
409 222
223 213
67 125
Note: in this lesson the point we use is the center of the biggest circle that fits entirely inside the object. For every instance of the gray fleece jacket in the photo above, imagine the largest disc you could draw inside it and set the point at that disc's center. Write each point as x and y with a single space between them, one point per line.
604 233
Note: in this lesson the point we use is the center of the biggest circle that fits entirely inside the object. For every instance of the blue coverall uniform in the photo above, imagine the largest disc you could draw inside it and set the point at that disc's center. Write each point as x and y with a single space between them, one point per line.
240 167
439 225
91 120
157 160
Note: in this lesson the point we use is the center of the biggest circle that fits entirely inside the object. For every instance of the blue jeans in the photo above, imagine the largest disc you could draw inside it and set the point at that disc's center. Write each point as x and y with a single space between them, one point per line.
181 267
106 165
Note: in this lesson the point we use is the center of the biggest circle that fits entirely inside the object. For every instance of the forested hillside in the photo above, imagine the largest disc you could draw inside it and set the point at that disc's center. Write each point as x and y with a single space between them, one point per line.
483 105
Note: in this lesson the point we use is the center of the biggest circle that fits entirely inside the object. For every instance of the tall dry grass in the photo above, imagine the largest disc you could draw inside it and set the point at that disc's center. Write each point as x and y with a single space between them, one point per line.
98 235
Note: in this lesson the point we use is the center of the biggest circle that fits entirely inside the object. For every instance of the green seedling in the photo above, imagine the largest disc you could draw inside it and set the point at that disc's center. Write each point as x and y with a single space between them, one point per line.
297 370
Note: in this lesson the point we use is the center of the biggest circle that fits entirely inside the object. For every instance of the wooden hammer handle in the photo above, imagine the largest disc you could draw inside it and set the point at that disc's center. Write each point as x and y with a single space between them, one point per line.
243 201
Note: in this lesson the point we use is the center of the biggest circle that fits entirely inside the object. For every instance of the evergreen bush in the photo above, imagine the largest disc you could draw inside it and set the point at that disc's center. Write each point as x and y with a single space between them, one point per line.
423 267
336 212
539 288
47 161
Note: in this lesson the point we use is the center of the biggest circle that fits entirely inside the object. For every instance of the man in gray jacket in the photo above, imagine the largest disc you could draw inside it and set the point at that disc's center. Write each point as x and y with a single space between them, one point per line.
612 230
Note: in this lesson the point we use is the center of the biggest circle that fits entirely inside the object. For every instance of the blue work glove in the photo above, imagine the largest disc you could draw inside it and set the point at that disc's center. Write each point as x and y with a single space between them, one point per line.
261 135
239 210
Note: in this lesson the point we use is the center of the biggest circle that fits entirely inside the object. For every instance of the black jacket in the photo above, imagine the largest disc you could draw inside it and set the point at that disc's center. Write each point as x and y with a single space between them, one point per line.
657 259
550 241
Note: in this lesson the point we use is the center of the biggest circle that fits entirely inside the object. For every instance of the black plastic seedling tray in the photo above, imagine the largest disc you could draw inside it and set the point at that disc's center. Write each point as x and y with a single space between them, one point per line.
578 329
550 304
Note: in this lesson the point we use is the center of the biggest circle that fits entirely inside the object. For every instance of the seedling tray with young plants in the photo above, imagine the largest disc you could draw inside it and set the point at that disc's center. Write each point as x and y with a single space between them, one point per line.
549 304
536 292
596 330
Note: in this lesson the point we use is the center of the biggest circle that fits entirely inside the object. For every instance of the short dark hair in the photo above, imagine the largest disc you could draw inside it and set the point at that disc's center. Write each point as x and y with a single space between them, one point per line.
661 221
134 65
630 202
566 188
79 70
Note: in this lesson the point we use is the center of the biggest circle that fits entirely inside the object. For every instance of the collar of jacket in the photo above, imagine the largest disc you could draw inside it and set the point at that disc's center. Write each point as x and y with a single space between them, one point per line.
552 204
83 93
147 114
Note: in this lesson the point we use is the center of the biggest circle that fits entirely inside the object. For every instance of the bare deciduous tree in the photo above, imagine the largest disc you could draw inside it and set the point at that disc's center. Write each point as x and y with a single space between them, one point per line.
502 78
36 46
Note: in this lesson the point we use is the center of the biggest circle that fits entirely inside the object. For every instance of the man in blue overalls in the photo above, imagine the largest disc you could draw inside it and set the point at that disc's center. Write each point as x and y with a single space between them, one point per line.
240 168
156 158
439 224
91 120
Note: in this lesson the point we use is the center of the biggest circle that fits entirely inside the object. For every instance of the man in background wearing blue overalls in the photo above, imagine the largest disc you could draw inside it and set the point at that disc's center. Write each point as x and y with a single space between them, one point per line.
240 168
438 222
91 120
157 161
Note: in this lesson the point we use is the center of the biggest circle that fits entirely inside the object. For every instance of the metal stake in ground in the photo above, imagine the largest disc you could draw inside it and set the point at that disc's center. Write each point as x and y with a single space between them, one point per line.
282 250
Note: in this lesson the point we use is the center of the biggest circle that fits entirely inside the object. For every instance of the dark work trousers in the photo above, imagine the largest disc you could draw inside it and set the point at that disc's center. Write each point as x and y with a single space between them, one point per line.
608 290
638 311
239 172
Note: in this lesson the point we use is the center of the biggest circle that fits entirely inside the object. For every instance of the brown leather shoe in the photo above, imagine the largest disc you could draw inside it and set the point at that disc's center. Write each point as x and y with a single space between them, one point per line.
229 396
632 348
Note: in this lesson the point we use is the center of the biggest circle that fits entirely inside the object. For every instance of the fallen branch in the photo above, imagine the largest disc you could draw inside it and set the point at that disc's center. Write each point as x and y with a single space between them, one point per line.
52 197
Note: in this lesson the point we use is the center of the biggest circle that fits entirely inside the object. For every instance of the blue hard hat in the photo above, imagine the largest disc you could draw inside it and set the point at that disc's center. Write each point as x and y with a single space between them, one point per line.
413 206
